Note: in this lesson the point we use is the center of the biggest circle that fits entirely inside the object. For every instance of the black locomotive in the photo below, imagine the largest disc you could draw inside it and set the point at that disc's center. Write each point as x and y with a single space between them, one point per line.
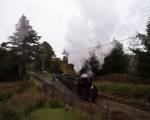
81 85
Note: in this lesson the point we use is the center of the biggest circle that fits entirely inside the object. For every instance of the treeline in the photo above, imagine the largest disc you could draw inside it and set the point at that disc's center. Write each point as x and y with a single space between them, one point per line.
137 62
23 52
116 62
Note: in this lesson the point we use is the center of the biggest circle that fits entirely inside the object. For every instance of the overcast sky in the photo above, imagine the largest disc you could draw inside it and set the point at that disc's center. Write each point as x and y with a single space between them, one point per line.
76 24
48 17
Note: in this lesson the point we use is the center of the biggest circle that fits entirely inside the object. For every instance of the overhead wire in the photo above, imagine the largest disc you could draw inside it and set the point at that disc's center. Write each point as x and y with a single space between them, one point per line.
144 9
133 14
98 46
108 29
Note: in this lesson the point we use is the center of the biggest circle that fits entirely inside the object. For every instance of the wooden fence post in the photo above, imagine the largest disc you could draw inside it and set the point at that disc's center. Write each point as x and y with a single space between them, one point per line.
52 93
108 110
90 107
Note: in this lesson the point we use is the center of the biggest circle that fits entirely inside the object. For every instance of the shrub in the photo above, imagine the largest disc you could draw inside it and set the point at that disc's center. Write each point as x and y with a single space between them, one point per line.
54 103
24 86
5 95
23 103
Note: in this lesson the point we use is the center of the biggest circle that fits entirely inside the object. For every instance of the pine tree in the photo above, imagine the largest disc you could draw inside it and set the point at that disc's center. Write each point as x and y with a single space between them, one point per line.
25 42
116 61
143 54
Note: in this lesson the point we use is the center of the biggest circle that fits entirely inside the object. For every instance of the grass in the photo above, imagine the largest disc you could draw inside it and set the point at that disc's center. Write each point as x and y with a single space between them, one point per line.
9 89
132 91
17 99
57 114
24 101
51 114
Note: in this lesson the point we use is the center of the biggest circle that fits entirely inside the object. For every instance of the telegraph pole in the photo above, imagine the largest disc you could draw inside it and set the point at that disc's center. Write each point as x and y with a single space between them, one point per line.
43 56
43 62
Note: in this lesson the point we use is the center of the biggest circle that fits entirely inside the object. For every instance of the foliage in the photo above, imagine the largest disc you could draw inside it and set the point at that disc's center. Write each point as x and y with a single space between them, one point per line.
53 114
128 90
116 61
21 104
25 43
25 100
24 105
8 65
143 54
60 114
25 86
18 99
45 58
5 96
7 90
92 64
53 103
7 114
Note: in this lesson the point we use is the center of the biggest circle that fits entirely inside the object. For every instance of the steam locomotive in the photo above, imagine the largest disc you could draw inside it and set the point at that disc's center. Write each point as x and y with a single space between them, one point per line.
80 85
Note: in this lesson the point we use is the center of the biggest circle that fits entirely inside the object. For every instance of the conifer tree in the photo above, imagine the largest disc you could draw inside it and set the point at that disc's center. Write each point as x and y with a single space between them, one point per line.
116 61
25 43
143 54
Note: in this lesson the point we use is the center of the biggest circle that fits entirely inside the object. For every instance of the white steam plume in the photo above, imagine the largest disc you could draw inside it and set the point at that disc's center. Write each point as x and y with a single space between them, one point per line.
91 28
86 29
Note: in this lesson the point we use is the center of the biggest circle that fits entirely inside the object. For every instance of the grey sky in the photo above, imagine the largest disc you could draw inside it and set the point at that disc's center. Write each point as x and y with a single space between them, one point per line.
66 23
48 17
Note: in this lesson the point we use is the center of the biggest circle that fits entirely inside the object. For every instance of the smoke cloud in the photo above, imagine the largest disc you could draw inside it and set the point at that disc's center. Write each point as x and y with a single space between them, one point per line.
90 28
86 31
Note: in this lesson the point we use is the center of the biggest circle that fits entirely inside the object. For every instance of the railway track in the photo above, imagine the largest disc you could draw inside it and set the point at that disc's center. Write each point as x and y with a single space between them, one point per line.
100 106
101 96
73 99
138 106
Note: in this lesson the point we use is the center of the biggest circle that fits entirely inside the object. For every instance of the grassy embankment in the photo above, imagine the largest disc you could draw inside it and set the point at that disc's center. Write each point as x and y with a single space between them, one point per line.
17 99
24 101
133 92
59 114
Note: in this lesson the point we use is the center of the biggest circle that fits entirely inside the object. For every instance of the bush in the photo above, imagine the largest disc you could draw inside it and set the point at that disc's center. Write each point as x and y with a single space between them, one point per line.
7 114
135 92
5 95
9 68
51 103
24 86
23 103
